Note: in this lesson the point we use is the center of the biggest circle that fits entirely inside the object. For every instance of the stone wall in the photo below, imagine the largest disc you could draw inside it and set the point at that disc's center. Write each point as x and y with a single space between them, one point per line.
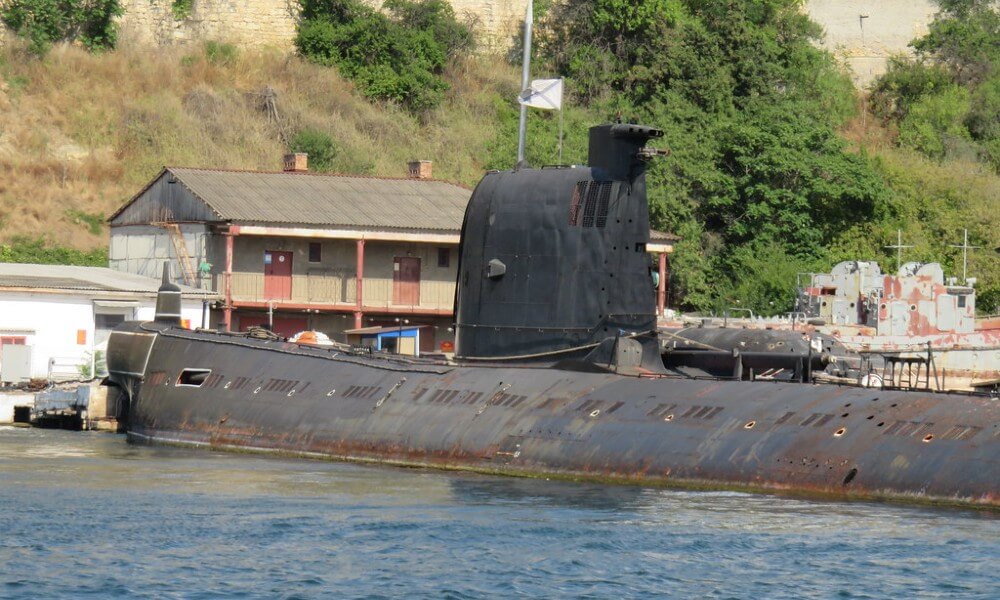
865 33
241 22
272 22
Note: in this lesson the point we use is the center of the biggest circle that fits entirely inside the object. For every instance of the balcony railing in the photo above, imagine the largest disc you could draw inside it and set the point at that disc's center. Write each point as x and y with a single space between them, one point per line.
339 287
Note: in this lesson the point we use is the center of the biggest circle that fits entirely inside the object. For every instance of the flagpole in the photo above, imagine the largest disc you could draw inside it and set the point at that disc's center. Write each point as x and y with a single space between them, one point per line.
525 81
560 120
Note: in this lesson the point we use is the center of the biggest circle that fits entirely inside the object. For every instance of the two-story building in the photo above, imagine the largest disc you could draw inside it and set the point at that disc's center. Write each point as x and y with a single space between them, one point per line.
299 250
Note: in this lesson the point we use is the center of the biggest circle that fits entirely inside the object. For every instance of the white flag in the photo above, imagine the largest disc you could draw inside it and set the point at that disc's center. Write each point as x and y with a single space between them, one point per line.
545 94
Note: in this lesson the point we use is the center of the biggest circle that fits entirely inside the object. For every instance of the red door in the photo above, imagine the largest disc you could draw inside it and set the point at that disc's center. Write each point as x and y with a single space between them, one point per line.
277 275
406 281
283 326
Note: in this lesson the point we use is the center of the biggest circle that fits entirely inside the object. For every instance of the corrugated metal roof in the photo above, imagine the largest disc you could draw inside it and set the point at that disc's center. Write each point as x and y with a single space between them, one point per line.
312 199
83 279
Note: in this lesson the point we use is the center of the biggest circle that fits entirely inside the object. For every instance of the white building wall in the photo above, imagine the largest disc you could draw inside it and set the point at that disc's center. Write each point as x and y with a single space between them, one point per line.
50 323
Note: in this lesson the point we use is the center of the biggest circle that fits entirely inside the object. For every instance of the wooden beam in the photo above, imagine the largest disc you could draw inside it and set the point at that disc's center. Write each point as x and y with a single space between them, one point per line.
348 234
345 307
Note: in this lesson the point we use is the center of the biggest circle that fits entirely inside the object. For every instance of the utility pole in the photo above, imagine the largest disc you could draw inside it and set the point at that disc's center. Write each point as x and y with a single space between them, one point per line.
898 247
965 253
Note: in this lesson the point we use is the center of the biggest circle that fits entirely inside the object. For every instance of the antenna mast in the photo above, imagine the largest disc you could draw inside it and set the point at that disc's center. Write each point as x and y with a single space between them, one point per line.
898 247
965 253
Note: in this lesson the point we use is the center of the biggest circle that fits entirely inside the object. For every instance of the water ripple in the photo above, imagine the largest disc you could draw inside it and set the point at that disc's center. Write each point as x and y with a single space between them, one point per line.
86 516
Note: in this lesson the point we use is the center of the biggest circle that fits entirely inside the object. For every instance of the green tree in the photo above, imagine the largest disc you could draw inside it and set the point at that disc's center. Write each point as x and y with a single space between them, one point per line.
398 56
44 22
948 96
749 107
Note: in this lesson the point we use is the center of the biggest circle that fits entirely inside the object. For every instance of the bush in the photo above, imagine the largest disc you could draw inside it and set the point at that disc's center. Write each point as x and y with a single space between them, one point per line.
904 83
219 53
947 100
318 145
935 119
45 22
988 301
40 251
181 9
398 57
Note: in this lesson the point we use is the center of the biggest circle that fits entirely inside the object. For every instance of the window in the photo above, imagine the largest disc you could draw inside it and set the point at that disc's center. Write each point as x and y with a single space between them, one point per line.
13 340
315 252
444 257
193 377
961 301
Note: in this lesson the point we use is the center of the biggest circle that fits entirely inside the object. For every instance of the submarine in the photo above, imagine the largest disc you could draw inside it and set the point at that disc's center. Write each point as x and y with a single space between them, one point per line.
557 373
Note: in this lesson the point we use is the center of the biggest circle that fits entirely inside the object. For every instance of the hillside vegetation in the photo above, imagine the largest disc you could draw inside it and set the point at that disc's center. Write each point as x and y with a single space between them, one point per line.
778 166
80 133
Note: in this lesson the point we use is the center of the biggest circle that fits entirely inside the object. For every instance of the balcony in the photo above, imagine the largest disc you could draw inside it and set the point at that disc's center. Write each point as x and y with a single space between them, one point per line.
335 290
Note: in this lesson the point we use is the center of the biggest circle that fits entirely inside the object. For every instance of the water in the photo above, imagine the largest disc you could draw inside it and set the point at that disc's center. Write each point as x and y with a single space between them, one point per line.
88 515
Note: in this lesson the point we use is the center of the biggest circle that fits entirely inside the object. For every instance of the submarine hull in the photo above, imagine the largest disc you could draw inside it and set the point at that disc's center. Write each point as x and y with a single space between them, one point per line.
232 392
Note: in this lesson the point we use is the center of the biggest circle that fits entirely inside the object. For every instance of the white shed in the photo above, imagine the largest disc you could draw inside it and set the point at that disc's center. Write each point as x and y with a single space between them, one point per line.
55 320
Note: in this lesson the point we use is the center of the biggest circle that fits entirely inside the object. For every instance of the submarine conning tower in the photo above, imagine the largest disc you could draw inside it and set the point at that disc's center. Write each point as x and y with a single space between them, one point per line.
168 300
554 259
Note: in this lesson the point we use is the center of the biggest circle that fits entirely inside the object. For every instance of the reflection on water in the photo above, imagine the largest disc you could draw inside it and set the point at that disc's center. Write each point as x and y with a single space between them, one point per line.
89 515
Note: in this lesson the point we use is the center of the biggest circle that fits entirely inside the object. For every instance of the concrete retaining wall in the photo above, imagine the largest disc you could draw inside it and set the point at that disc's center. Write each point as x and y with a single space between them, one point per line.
9 400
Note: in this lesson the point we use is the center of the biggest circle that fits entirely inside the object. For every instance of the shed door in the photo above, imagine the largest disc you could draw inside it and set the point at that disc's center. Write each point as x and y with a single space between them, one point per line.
406 281
277 275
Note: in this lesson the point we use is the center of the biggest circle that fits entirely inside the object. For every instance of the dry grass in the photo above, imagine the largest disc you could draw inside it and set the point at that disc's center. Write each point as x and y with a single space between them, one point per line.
82 132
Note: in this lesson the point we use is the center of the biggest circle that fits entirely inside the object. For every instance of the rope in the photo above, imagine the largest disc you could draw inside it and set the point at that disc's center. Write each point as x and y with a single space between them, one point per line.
689 341
549 353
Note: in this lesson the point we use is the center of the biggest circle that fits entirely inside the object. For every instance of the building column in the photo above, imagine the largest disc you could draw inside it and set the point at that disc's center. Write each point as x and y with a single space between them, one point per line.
358 278
227 314
661 289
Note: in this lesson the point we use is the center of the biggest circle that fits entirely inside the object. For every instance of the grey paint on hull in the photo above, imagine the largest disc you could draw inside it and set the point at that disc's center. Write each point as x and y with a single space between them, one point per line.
830 440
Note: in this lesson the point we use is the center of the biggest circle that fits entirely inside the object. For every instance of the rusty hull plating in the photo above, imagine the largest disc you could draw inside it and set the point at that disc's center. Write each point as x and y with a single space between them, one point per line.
814 439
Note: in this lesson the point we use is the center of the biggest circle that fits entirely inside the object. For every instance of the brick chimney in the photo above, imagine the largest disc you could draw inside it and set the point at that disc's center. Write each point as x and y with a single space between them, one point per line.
297 162
419 169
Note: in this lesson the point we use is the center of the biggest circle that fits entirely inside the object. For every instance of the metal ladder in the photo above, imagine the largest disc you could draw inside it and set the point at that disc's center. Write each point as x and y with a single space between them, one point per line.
180 249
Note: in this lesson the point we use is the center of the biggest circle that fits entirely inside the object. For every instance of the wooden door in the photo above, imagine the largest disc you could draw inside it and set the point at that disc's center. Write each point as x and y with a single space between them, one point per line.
277 275
406 281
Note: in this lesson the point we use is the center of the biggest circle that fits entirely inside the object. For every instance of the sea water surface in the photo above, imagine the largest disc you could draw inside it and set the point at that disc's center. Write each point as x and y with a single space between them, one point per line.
89 515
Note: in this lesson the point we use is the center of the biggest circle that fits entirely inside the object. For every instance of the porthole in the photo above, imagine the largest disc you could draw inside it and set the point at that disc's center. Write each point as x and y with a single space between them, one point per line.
750 425
668 418
840 432
595 413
